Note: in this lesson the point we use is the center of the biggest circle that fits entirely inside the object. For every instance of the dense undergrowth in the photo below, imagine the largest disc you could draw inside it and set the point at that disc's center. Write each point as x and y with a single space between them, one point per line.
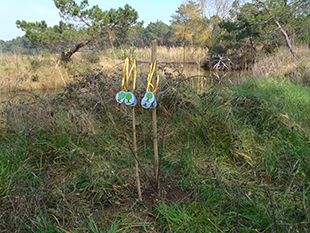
233 159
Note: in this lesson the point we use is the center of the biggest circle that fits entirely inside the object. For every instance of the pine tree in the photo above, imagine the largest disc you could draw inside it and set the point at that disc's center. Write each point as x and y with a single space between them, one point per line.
81 26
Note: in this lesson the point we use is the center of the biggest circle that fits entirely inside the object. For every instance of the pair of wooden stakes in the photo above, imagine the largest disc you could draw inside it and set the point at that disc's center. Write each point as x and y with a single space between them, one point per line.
147 102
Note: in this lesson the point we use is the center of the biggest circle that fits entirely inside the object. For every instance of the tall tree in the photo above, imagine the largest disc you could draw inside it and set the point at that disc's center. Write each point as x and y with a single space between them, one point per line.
196 21
218 8
82 26
241 30
273 16
275 21
57 38
159 31
190 24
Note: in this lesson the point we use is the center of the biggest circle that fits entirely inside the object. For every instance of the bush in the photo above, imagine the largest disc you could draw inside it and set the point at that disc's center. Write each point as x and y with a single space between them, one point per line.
35 78
46 53
35 64
127 52
305 38
91 57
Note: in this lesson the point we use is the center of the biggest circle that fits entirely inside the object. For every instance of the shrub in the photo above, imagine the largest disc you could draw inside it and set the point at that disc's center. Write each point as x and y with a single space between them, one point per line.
35 64
305 38
35 78
91 57
46 53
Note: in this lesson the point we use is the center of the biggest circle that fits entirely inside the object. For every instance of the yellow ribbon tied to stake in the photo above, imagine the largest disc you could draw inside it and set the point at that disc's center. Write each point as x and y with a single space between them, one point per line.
149 99
125 95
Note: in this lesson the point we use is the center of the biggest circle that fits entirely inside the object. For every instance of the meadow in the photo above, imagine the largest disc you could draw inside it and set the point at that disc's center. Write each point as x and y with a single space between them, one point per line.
234 157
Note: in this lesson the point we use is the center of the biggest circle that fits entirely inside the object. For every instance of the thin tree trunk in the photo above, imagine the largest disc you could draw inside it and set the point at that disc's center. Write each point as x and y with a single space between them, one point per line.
252 44
66 56
288 41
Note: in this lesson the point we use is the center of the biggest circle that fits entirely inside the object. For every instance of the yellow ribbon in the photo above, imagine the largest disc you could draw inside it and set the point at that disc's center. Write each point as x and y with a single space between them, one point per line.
153 69
124 76
127 75
134 69
154 91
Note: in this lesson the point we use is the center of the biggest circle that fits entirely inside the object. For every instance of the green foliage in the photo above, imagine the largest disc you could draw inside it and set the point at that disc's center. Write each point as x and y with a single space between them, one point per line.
142 37
252 30
20 45
124 52
35 78
111 27
35 64
54 38
262 123
46 53
91 57
159 31
191 25
305 38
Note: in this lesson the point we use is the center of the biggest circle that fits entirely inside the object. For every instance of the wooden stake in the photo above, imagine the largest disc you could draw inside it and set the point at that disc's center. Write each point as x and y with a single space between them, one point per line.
154 122
135 152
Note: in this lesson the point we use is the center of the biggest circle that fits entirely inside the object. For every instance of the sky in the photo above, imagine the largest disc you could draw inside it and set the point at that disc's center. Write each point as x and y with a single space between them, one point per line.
37 10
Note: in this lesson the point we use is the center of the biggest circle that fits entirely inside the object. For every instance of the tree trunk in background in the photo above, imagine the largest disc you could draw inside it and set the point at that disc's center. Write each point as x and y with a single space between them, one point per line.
66 56
287 39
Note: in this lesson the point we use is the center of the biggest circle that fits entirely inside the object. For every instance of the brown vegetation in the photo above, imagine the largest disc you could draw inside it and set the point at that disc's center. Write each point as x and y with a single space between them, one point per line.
20 72
282 63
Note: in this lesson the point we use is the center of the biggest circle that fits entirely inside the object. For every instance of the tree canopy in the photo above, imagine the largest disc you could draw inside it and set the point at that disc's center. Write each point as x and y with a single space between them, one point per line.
19 45
82 25
190 24
269 23
158 30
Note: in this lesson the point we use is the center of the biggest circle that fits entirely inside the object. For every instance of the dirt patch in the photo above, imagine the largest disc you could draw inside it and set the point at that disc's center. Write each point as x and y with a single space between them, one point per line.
143 214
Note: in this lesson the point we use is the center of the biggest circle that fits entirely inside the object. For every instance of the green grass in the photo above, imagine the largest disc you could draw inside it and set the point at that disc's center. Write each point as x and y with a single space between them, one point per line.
233 159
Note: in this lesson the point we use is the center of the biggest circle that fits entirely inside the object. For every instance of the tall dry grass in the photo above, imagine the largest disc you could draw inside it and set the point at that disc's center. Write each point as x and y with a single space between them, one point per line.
21 72
174 54
282 63
163 54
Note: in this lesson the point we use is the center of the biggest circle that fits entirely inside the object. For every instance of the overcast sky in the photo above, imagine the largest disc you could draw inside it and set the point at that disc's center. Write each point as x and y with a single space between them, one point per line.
37 10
